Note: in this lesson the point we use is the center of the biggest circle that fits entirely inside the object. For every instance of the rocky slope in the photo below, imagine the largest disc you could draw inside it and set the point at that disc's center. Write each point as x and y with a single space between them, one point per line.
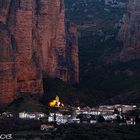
93 15
34 45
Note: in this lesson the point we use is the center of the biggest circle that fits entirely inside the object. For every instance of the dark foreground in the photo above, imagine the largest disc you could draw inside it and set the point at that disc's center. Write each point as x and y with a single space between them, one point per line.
82 132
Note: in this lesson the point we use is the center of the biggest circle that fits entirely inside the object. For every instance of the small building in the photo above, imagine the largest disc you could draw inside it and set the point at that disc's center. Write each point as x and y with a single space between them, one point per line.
46 127
130 120
58 118
74 120
32 115
7 115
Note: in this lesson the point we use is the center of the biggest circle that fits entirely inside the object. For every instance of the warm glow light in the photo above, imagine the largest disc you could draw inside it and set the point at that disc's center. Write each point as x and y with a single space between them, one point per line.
56 103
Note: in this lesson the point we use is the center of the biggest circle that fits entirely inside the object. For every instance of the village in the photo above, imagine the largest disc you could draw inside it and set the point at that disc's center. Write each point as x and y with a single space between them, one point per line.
60 115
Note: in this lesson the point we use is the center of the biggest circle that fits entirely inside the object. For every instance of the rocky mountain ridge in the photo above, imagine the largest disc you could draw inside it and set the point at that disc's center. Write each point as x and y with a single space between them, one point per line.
108 64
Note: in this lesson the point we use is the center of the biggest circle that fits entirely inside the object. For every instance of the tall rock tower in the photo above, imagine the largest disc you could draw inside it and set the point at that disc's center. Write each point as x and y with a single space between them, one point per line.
72 53
33 46
51 22
130 32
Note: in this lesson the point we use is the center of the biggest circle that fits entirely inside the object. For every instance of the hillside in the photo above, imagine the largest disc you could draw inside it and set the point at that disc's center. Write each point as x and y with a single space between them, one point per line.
99 49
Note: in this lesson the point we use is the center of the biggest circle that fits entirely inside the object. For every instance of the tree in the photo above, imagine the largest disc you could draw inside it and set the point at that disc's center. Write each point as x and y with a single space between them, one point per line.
116 111
137 120
101 119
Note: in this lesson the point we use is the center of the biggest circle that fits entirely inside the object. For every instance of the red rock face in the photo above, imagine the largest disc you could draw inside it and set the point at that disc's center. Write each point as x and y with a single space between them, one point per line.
130 32
8 79
53 38
39 33
72 53
29 76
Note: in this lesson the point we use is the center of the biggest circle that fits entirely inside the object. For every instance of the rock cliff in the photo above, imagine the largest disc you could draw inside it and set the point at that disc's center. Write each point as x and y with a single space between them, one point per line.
8 79
72 53
34 45
130 32
51 25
